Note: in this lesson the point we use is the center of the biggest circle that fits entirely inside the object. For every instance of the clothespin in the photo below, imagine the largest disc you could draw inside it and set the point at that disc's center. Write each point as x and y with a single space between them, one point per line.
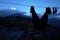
54 10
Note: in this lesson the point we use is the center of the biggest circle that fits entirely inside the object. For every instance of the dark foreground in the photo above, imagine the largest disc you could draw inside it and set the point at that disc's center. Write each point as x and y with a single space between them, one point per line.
18 28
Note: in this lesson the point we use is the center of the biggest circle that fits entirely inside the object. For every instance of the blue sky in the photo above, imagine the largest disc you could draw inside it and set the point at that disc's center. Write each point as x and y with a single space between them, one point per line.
42 3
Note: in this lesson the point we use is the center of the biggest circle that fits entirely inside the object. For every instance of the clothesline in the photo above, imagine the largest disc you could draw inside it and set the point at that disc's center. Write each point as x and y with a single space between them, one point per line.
22 5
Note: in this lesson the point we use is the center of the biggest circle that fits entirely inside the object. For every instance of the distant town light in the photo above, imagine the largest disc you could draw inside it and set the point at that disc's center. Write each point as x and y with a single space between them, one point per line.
13 8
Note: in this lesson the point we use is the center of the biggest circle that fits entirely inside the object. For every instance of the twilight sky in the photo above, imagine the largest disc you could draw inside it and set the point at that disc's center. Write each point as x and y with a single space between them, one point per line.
41 3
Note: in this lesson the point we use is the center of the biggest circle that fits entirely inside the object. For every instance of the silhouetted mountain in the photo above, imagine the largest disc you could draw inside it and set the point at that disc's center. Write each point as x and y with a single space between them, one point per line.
20 15
54 15
14 15
54 22
57 14
8 12
16 21
19 22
